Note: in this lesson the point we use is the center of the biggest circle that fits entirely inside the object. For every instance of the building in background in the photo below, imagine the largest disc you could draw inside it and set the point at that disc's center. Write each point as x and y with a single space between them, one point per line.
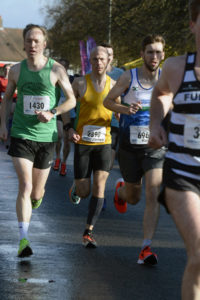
11 45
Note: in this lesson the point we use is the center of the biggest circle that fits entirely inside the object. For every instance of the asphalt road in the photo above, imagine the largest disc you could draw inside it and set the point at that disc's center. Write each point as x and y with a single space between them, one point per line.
61 268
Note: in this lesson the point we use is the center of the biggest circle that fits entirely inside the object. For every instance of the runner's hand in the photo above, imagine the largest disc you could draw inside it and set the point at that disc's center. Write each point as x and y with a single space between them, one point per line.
157 138
73 135
134 107
44 116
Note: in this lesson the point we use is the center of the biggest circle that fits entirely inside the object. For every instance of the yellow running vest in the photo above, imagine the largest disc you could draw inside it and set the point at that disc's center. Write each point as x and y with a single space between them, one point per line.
93 119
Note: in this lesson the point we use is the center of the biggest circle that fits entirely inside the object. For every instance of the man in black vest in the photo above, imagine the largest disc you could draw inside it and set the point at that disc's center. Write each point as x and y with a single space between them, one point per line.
178 84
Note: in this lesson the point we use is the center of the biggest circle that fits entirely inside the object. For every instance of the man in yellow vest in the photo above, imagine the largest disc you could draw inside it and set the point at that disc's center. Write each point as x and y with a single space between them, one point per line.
91 135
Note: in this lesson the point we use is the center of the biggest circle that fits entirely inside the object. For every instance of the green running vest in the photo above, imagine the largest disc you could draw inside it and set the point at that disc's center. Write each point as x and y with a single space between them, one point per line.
35 92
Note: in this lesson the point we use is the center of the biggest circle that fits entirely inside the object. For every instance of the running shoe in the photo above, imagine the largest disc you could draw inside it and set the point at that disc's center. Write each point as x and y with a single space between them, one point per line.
89 241
24 248
56 164
63 169
75 199
36 203
120 205
147 257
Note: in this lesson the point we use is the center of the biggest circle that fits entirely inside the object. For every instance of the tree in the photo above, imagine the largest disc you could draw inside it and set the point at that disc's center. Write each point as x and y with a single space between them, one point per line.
73 20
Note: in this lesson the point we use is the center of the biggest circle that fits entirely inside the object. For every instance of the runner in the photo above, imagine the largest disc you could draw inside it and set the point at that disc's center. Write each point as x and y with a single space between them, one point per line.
114 73
92 139
3 85
34 131
4 80
136 159
180 84
63 140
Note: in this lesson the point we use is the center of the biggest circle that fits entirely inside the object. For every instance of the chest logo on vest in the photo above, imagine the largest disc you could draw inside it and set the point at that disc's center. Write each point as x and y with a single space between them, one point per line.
134 88
192 96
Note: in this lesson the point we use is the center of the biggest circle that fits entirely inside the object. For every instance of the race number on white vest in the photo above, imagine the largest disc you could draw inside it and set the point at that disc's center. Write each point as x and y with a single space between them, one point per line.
33 103
139 135
192 132
94 134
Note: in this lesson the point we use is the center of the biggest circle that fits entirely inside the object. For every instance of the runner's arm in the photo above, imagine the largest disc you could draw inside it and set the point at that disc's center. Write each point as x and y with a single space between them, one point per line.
118 89
161 103
60 77
65 85
77 84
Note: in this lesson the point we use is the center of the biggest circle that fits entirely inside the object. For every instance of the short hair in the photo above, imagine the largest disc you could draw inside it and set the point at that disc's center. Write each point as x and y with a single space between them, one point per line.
98 48
194 9
31 26
106 45
151 39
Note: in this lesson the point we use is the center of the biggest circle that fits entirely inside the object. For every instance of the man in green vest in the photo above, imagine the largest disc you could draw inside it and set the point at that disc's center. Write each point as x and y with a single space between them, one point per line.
38 80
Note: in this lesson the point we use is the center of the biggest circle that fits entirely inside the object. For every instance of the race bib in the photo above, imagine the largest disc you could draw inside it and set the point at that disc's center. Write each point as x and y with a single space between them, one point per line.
33 103
139 135
192 132
94 134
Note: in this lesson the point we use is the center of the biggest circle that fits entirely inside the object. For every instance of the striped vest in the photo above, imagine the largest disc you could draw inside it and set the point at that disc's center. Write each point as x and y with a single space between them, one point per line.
184 131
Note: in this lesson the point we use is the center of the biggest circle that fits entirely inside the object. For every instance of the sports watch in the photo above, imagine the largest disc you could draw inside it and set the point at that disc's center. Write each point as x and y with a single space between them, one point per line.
54 112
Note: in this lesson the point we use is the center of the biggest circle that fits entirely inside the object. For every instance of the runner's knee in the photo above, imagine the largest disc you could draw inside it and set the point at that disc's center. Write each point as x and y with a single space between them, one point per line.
133 194
152 193
82 190
25 187
98 188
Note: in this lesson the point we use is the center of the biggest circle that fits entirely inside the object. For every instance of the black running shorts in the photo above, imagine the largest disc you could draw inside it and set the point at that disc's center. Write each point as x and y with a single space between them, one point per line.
177 182
91 158
134 164
40 153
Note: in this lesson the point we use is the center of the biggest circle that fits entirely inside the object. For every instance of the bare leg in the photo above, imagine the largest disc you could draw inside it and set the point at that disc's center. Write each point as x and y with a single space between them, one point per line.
185 209
40 177
153 180
99 183
131 192
23 169
82 187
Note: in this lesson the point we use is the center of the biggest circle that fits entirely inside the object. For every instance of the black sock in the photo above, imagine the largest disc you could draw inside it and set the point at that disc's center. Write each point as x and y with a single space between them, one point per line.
95 207
87 231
